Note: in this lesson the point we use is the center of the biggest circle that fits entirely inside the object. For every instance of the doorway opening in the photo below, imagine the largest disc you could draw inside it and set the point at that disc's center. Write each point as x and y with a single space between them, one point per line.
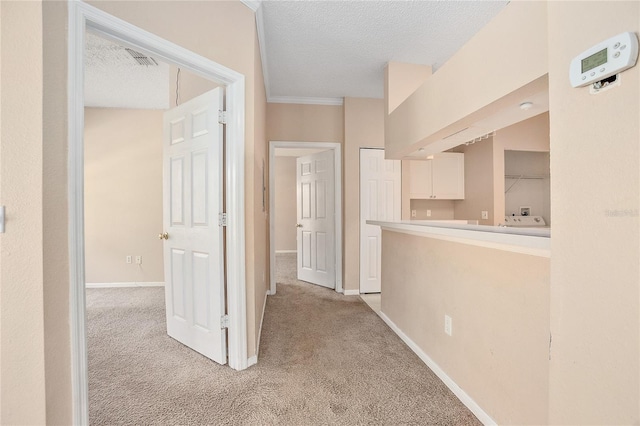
84 17
293 148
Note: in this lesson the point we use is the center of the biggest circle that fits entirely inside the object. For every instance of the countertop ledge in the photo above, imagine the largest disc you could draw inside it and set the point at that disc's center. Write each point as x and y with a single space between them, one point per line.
531 241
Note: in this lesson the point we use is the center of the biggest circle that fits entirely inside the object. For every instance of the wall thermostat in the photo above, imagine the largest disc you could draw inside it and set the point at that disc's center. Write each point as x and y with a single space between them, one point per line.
604 59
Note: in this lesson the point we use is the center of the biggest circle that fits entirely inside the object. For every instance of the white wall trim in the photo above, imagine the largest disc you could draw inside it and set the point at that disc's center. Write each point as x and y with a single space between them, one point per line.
262 43
304 101
337 156
124 284
264 307
286 251
352 292
252 360
457 390
82 17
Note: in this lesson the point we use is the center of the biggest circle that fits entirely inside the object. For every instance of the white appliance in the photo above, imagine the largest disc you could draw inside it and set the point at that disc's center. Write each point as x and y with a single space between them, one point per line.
525 222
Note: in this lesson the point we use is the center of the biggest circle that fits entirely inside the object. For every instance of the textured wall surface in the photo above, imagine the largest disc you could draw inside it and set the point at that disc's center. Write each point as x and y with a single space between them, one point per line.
499 304
123 195
595 276
22 343
285 193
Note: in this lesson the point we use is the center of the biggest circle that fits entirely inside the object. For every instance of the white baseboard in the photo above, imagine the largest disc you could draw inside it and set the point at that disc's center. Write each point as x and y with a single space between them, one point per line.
462 395
124 284
286 251
252 361
352 292
254 358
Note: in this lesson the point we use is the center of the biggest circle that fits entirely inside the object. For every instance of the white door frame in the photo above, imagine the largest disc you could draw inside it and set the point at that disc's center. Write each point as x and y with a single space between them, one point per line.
81 17
336 148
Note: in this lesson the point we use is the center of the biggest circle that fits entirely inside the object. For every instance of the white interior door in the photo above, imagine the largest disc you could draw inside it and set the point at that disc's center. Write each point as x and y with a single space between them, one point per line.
193 250
380 190
315 188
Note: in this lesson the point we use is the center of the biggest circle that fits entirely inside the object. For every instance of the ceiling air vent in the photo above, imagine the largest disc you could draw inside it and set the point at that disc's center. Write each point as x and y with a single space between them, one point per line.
142 59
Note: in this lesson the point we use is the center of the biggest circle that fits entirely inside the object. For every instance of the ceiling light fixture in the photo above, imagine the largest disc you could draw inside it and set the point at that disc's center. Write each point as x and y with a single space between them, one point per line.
526 106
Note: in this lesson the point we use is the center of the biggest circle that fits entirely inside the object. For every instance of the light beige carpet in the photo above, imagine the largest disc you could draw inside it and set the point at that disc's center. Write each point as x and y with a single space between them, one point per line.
324 359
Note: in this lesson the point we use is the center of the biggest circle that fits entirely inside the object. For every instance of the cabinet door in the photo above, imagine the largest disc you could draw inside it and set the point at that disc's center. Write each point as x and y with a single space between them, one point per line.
448 176
420 185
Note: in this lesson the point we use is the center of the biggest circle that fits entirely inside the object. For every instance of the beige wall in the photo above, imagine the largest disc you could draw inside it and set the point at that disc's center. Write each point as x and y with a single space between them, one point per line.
363 128
123 187
1 400
36 366
224 32
478 183
56 262
400 81
595 277
305 123
189 85
285 193
484 174
499 305
484 168
452 99
260 207
528 135
22 342
440 209
123 195
360 123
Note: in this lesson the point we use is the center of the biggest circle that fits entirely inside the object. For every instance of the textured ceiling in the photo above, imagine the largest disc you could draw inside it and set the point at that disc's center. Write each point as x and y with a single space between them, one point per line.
333 49
315 50
114 79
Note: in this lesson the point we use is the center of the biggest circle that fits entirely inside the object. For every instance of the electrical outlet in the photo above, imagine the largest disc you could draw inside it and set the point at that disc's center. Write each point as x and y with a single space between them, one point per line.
428 213
128 259
413 213
138 260
485 214
448 325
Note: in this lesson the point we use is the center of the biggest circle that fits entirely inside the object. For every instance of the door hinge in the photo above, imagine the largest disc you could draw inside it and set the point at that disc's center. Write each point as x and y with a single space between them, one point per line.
222 219
224 321
222 117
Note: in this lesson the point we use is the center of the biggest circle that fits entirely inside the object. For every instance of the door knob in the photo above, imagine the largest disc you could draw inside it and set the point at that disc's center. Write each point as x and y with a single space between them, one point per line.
298 225
163 236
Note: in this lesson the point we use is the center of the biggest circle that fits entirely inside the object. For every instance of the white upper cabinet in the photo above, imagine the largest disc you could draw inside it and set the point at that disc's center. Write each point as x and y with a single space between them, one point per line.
441 178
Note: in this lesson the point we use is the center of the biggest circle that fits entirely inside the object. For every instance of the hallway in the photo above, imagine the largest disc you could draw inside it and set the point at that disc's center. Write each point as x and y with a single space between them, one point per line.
324 358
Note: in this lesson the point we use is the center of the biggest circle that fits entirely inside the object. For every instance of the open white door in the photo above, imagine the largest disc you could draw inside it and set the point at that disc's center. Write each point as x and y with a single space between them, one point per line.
315 186
380 199
193 246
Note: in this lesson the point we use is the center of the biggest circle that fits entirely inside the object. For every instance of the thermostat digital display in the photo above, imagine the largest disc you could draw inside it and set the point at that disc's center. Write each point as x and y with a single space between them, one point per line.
590 62
604 59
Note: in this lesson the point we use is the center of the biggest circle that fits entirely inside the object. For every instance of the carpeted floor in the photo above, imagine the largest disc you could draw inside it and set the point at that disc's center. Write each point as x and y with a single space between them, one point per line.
324 359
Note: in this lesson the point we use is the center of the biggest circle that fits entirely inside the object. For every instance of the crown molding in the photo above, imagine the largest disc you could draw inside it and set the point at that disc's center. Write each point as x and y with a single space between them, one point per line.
252 4
262 44
305 101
